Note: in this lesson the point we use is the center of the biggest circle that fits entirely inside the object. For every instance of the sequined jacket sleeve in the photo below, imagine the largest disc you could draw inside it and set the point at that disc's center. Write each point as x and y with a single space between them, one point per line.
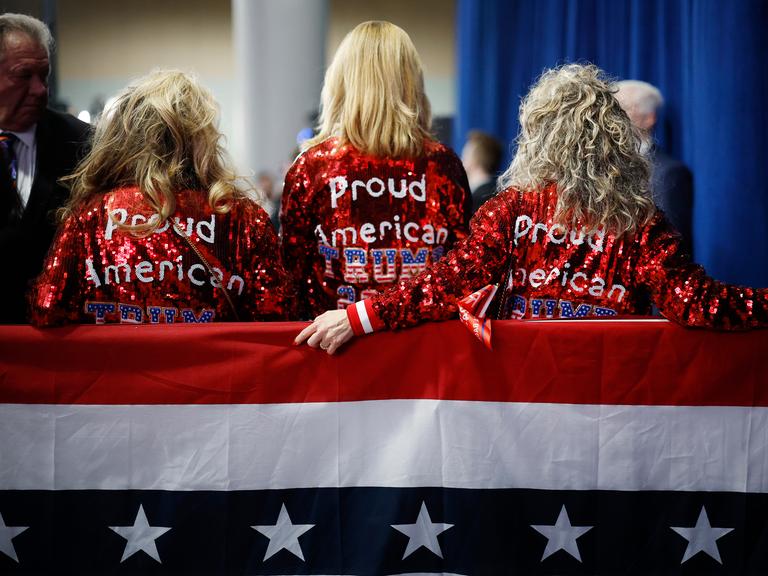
272 295
298 240
683 291
475 261
52 301
460 203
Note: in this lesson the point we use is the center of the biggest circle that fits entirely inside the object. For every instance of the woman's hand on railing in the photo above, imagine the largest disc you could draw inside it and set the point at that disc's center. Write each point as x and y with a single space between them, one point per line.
328 331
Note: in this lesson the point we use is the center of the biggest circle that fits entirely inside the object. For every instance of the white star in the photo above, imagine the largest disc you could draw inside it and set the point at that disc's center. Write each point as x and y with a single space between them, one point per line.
8 533
140 536
702 537
562 536
283 534
423 532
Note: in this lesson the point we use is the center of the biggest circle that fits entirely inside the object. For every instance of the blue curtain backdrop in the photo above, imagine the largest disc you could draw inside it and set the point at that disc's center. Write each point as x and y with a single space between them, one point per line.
708 57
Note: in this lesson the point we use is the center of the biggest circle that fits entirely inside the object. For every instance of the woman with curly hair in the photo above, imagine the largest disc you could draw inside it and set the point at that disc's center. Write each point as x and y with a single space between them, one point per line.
156 229
573 234
373 199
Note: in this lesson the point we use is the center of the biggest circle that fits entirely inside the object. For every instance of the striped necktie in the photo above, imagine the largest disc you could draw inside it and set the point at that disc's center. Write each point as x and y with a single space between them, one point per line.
11 206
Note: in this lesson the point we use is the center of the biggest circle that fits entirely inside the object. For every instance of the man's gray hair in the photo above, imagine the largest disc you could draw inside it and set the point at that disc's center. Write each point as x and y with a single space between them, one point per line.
646 98
32 27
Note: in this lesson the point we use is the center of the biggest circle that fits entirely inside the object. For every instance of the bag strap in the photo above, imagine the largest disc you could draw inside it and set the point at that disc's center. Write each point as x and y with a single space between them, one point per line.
203 259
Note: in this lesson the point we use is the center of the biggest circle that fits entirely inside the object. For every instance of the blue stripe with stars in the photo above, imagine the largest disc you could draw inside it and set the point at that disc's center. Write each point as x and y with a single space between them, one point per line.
351 531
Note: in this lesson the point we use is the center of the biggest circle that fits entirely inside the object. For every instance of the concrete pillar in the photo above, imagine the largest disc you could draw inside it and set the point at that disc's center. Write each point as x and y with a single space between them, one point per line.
279 50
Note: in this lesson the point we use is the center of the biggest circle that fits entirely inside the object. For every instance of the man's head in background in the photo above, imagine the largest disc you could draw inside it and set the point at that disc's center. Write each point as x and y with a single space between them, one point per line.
481 157
641 101
25 45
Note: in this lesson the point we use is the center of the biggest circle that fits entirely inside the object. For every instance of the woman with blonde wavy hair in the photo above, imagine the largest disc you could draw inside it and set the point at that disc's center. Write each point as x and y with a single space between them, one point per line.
573 234
156 229
373 198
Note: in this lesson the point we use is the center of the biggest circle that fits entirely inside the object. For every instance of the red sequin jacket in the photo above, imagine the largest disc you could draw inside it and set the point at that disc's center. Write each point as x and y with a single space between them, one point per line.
97 272
549 270
354 224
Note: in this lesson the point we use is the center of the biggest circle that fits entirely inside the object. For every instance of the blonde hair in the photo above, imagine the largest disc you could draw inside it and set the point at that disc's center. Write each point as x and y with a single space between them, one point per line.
161 136
574 134
373 96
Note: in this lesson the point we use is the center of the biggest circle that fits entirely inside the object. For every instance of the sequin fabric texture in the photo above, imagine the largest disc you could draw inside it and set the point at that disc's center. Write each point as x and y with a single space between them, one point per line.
354 224
548 270
98 272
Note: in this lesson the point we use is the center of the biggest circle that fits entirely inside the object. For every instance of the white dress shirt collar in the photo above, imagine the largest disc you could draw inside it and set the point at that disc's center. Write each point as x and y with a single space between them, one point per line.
27 137
26 153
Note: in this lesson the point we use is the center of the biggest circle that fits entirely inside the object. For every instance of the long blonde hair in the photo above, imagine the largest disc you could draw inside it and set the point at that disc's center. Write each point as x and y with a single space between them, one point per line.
373 96
574 134
161 136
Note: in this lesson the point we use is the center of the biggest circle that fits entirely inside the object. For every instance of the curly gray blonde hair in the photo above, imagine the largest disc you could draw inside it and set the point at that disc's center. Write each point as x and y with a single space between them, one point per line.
575 135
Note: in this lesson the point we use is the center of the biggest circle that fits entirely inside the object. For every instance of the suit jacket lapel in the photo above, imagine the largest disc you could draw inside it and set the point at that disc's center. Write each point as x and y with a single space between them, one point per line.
9 200
39 203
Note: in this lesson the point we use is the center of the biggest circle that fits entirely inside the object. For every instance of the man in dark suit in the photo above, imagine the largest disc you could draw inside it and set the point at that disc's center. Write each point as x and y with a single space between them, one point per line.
37 147
672 181
481 157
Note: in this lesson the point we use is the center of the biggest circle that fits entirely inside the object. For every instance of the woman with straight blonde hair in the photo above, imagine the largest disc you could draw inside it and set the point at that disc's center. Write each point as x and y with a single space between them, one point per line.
574 234
373 198
156 228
